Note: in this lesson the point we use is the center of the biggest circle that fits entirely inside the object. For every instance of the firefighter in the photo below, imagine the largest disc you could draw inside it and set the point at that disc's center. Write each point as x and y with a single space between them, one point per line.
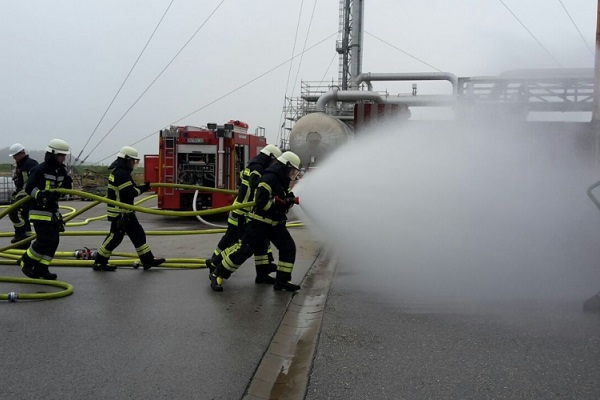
122 188
20 215
248 182
266 221
47 220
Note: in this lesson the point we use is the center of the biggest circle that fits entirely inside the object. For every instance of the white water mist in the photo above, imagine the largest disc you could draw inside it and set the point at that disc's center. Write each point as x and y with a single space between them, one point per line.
450 209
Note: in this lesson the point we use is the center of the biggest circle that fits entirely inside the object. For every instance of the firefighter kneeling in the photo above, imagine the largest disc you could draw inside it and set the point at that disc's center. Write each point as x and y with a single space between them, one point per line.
266 222
122 188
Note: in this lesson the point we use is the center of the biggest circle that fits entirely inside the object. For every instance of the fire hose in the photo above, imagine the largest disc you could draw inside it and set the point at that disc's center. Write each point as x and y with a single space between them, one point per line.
10 256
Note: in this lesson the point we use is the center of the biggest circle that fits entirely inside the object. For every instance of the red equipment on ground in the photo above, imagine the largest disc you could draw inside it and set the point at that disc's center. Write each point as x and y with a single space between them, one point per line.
211 157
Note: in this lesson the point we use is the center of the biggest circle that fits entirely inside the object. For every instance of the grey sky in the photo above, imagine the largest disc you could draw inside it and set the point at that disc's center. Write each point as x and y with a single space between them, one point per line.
63 61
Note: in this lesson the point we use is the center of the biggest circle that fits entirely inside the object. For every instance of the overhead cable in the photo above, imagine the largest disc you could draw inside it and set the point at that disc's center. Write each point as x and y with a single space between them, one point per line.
158 76
123 83
577 28
231 92
532 35
402 51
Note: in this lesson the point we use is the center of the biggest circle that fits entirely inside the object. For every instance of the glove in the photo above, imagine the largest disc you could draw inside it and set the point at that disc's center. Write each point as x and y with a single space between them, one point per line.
291 200
67 183
145 187
288 201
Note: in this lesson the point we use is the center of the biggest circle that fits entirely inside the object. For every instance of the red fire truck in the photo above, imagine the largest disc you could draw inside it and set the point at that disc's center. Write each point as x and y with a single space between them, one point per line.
211 157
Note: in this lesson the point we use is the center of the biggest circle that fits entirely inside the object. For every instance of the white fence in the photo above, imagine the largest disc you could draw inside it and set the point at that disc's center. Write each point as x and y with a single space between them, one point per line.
7 186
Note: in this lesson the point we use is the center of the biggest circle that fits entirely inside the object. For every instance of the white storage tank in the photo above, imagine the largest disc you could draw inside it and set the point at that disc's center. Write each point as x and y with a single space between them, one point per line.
316 135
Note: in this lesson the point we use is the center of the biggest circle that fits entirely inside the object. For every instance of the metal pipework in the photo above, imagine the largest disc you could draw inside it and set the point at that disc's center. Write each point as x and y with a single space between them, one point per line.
368 77
362 95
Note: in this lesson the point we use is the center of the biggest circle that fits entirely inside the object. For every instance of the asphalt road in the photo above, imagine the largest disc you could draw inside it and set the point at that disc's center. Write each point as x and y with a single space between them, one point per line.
163 334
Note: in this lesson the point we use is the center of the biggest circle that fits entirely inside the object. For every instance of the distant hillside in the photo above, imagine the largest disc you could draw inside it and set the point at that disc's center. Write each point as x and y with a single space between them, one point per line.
6 159
37 155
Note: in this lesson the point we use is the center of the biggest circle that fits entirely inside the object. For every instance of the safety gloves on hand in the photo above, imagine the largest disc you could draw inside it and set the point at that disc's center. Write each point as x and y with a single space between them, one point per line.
288 201
145 187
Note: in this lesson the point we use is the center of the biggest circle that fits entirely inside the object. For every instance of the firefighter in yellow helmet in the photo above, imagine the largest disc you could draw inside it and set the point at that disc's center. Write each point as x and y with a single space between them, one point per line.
266 221
47 220
122 188
236 222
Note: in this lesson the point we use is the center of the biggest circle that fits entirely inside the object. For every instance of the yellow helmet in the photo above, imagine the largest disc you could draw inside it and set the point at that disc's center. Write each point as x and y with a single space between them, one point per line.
290 159
58 146
128 152
271 151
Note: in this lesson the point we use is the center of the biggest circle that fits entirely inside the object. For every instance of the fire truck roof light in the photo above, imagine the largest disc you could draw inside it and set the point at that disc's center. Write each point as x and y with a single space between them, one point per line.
211 125
228 127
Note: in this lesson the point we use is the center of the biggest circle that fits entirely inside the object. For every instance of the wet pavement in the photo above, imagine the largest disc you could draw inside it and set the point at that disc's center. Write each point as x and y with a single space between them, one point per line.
137 334
164 334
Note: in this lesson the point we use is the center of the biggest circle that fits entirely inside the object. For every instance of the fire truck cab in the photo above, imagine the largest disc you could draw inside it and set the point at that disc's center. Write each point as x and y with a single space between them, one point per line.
212 156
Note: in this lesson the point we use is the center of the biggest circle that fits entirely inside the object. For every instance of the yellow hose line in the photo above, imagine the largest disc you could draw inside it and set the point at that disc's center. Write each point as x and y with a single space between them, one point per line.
33 236
151 210
193 187
101 217
17 204
16 254
120 263
13 296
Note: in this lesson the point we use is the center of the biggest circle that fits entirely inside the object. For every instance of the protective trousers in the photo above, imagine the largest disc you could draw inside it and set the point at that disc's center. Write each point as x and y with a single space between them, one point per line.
20 218
256 235
125 224
236 225
44 246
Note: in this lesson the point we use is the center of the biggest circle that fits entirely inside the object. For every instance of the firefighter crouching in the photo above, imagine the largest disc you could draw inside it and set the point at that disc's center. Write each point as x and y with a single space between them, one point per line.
122 188
266 222
47 220
248 182
20 216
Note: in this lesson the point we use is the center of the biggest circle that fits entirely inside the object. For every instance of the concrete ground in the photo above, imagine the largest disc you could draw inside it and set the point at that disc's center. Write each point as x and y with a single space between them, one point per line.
164 333
134 334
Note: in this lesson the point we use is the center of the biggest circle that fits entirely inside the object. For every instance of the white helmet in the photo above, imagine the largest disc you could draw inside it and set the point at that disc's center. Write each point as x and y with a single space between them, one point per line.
128 152
16 149
290 159
271 151
58 146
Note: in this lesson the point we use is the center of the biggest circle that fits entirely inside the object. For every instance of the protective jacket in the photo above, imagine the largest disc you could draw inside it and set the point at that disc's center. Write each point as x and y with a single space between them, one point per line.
122 188
249 179
21 174
271 206
47 175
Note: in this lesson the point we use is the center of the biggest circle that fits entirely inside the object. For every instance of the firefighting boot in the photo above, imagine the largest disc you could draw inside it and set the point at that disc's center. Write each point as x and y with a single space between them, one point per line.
212 262
282 282
21 235
262 274
28 267
44 273
149 261
216 278
101 264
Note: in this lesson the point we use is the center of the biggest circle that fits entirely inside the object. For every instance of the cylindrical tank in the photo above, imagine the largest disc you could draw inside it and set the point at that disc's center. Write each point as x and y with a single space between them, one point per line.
316 135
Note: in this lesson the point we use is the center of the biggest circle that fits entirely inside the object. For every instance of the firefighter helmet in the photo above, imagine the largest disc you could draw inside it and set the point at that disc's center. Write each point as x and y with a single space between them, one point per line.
128 152
16 149
290 159
271 151
58 146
